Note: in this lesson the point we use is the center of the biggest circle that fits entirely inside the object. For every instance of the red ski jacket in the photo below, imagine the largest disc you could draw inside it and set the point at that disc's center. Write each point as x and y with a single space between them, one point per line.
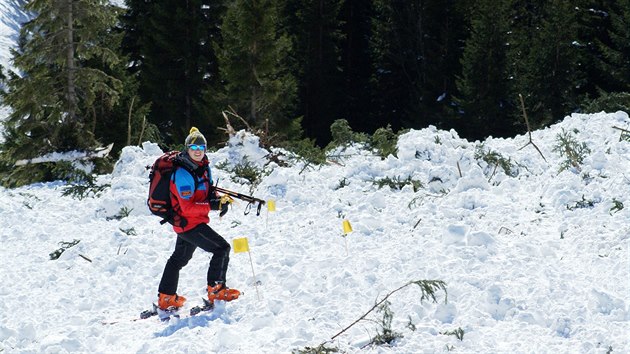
189 195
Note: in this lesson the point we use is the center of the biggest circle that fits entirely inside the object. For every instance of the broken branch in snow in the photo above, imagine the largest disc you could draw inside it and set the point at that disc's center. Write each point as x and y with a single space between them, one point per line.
79 155
429 287
625 133
529 131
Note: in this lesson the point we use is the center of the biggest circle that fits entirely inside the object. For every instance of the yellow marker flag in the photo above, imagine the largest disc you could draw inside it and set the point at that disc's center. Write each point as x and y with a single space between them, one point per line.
241 245
347 228
271 205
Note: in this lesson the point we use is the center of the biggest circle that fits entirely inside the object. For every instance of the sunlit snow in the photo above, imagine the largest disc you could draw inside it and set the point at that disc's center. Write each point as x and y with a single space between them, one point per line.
537 262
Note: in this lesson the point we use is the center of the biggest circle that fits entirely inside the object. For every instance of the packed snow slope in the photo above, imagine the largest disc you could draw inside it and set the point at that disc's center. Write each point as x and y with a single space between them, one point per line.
535 259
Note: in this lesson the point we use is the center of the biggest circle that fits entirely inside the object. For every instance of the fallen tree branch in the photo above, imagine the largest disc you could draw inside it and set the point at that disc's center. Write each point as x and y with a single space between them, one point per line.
56 156
228 127
144 125
529 131
133 99
429 287
624 133
416 225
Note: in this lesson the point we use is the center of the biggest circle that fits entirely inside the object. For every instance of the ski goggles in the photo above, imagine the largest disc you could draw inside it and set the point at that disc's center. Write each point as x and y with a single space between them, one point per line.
196 147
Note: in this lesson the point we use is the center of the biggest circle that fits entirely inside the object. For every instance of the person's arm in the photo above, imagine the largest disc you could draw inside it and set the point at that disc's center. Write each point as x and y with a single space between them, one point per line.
184 192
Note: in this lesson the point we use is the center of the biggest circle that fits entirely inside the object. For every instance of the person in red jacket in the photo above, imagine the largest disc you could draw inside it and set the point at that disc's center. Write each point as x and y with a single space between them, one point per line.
192 197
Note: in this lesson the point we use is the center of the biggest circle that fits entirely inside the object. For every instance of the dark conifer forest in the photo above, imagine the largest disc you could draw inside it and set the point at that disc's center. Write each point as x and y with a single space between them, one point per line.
87 73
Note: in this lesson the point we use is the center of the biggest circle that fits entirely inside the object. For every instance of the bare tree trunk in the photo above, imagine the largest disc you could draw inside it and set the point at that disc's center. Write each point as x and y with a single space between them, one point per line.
188 111
252 106
129 122
529 131
255 85
71 91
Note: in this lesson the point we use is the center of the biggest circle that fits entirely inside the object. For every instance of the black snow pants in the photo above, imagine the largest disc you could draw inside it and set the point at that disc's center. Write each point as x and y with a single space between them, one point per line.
204 237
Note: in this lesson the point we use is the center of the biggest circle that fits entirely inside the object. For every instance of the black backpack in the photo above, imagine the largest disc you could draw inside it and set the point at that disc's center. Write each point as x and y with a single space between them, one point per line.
159 200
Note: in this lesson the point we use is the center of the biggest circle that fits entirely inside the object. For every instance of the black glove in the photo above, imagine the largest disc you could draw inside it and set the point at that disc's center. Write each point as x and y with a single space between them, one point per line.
224 202
214 203
221 203
224 210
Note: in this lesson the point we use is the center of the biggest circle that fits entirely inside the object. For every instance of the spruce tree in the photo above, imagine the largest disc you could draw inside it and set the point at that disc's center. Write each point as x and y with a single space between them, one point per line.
258 83
356 66
124 123
315 29
615 59
609 60
594 26
416 47
484 101
565 77
56 90
390 52
171 47
547 60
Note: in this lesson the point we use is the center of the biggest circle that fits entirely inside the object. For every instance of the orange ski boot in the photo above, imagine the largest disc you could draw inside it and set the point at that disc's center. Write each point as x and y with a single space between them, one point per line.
170 302
222 292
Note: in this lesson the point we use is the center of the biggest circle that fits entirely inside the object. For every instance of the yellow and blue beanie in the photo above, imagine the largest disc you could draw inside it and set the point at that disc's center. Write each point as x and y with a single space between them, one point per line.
195 137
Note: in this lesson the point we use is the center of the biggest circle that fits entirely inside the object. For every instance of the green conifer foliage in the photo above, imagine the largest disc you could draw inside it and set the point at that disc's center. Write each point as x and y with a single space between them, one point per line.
594 26
316 33
484 88
395 53
124 123
258 83
356 65
546 57
615 60
171 47
53 96
416 47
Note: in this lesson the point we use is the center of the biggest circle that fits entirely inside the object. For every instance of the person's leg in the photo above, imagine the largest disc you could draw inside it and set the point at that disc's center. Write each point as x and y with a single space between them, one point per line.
181 255
204 237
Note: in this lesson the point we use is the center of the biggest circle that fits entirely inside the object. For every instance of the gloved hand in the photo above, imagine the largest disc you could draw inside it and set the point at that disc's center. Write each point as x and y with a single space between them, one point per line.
224 203
215 203
221 203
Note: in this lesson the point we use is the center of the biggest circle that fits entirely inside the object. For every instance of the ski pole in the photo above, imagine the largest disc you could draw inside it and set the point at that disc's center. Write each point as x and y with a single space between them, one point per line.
247 198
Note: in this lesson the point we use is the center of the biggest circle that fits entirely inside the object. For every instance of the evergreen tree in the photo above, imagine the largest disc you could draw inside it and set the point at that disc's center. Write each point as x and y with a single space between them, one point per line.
171 47
485 101
548 61
315 30
614 62
356 66
392 57
416 47
258 83
609 60
53 97
593 35
124 123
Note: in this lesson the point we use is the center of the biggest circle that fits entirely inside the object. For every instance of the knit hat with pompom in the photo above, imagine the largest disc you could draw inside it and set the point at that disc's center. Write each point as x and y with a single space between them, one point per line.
195 137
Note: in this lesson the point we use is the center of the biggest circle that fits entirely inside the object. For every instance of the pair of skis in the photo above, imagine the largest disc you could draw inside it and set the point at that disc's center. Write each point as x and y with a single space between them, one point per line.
166 315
